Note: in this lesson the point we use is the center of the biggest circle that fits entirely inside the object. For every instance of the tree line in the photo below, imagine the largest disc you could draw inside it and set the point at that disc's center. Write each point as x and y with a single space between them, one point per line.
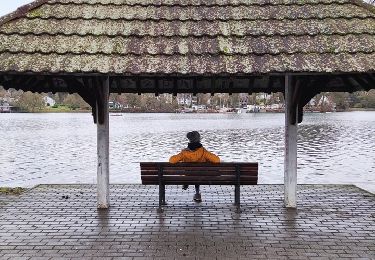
34 102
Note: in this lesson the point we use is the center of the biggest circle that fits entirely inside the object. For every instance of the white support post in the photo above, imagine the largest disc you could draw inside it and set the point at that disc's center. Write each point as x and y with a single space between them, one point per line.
290 163
103 147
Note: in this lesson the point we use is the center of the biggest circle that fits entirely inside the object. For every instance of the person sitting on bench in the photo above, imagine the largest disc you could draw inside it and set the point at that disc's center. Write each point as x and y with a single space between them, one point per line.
195 152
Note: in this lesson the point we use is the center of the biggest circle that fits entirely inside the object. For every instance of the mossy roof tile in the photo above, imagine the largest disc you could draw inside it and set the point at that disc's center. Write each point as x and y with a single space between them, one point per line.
193 36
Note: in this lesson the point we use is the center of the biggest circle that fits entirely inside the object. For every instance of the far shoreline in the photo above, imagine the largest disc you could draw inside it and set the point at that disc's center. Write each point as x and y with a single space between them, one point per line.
173 112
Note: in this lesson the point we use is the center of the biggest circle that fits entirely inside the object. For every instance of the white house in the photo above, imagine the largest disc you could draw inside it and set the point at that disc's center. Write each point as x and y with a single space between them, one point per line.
49 102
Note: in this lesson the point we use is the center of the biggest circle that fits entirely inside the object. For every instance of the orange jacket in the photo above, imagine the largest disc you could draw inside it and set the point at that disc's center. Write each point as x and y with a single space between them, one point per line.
199 155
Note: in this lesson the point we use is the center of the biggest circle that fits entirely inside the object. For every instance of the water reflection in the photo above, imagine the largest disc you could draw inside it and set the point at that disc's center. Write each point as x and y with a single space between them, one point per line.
61 148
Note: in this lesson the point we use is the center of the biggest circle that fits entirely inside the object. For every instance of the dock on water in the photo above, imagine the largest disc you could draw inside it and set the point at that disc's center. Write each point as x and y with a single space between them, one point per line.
62 222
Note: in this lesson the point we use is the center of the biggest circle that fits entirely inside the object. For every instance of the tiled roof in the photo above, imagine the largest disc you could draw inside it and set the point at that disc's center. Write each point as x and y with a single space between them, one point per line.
189 37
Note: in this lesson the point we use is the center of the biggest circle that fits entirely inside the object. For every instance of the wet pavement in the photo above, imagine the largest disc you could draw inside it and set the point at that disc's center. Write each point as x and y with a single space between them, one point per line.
62 222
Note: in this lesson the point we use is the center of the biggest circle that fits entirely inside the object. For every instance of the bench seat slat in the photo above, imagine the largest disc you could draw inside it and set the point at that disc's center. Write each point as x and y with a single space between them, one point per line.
206 173
199 167
200 183
175 168
208 168
189 164
199 173
182 177
182 173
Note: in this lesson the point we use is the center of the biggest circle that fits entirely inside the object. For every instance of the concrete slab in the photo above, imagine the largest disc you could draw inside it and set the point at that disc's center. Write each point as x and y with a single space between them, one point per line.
62 221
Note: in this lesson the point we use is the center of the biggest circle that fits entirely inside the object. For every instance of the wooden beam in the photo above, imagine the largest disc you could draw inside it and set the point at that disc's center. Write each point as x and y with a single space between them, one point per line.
195 86
111 81
290 162
157 87
175 86
348 84
295 97
88 94
251 85
231 84
118 85
102 115
269 84
305 94
310 89
370 78
363 82
98 93
138 85
30 82
213 86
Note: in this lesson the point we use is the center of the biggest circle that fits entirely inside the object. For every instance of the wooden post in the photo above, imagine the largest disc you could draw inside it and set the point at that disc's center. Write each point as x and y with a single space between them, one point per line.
290 162
103 144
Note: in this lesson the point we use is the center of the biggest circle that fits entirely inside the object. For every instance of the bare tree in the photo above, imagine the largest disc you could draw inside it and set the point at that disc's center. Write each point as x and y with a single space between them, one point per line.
31 102
75 101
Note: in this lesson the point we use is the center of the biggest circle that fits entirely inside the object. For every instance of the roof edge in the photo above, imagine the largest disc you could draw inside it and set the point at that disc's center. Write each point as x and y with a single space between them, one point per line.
21 11
365 5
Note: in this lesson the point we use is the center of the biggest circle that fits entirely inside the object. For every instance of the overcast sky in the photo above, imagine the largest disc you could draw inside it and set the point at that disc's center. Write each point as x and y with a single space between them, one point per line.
8 6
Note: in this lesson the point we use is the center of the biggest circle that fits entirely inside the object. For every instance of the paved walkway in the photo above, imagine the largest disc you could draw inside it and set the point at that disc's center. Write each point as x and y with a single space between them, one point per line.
62 222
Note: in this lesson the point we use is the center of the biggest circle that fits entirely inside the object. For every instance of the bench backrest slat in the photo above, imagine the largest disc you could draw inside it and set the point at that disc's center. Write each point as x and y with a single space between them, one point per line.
199 173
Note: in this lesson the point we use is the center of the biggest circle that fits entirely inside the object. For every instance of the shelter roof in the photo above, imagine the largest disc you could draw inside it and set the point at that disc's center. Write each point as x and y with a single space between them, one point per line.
190 37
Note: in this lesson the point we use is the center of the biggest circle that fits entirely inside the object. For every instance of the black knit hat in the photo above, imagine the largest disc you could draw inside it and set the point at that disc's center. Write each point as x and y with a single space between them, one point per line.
194 137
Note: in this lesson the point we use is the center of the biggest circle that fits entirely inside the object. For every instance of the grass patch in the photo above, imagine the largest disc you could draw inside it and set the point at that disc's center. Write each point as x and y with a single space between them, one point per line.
57 109
12 191
62 109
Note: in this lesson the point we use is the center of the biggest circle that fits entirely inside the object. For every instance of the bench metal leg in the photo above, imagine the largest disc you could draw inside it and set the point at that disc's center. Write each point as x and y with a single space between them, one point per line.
161 189
237 195
237 188
160 196
163 198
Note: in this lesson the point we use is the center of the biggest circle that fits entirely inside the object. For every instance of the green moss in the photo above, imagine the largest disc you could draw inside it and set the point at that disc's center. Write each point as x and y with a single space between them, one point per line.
333 50
226 50
12 191
35 13
117 48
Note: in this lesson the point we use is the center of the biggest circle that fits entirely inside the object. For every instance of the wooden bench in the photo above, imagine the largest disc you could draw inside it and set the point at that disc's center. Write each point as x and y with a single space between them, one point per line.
162 174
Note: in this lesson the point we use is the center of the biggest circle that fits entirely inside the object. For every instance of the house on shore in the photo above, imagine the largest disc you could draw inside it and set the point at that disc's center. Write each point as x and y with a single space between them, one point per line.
5 108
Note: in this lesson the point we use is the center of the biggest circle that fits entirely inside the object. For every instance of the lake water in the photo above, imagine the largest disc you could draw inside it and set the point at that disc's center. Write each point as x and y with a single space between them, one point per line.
36 149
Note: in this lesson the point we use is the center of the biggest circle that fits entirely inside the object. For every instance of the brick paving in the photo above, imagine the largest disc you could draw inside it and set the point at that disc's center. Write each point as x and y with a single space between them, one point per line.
62 222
